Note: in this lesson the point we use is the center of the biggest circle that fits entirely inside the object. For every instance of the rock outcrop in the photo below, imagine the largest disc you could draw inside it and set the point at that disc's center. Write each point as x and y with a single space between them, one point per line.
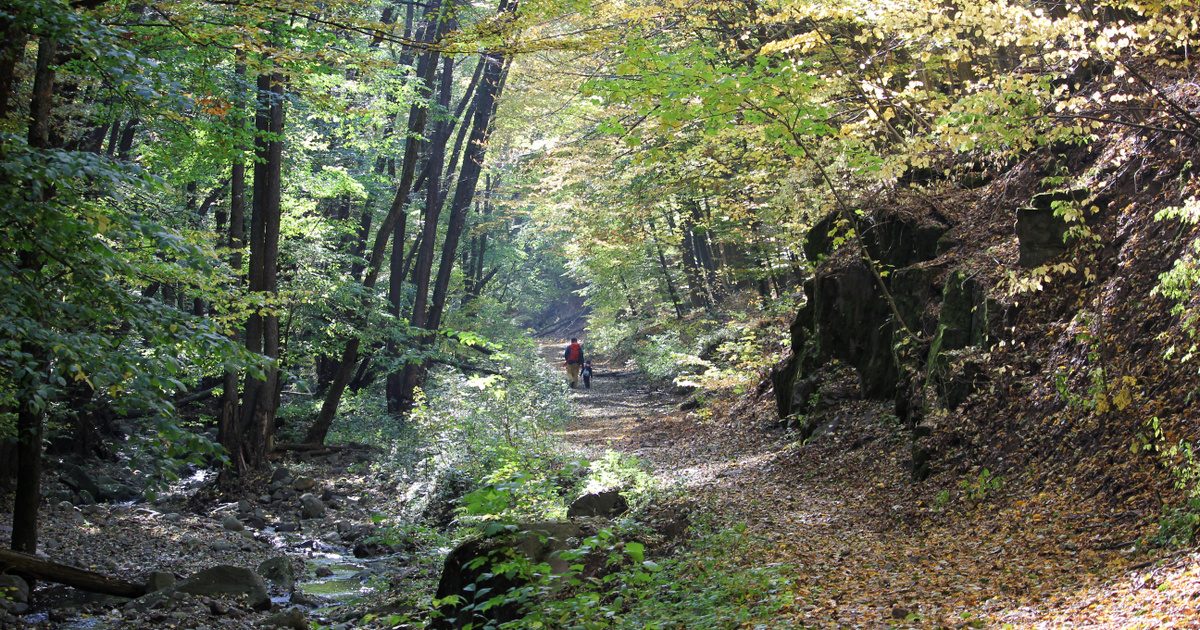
482 569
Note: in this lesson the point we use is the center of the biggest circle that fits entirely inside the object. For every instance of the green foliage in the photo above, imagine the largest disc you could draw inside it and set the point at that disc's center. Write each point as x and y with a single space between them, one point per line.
663 356
982 487
643 593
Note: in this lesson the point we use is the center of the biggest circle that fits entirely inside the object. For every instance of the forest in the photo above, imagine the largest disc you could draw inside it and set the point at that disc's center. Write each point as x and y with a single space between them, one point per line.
888 313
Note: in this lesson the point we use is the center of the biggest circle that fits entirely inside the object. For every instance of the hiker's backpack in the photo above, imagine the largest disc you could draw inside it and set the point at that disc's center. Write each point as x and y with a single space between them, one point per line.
574 353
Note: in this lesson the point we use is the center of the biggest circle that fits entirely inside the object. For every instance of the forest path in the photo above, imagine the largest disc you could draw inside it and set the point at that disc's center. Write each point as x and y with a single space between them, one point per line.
854 542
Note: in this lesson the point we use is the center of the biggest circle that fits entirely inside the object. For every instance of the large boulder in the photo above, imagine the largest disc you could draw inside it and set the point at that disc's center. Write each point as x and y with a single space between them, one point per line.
311 506
14 593
79 480
228 580
278 571
482 569
606 504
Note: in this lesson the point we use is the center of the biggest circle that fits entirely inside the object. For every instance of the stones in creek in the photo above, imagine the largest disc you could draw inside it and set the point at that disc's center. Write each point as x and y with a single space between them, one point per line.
278 571
280 475
304 484
232 523
229 580
14 594
158 580
79 480
311 506
465 576
606 504
290 618
370 549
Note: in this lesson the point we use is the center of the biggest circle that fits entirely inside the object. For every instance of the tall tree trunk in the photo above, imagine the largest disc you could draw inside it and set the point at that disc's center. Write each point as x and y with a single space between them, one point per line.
11 52
29 417
708 260
487 97
228 426
397 389
666 271
426 67
125 146
691 265
261 397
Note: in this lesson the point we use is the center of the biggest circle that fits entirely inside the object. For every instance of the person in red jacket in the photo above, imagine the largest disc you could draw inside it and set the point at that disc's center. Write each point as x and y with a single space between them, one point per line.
573 357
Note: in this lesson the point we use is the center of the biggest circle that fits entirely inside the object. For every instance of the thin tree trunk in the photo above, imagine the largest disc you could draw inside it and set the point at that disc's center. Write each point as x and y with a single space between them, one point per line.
29 417
416 129
397 382
125 146
666 270
10 55
228 426
691 266
487 97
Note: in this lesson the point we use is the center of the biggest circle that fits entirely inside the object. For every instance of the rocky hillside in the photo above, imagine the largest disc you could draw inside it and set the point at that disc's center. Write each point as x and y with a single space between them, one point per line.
1020 329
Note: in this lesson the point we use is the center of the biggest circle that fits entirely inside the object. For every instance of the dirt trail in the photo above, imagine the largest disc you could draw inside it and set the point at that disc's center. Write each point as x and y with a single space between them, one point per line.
862 545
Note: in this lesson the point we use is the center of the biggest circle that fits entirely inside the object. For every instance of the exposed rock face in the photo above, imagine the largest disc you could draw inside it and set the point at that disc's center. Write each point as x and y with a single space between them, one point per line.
535 542
848 317
900 241
607 504
853 324
1039 232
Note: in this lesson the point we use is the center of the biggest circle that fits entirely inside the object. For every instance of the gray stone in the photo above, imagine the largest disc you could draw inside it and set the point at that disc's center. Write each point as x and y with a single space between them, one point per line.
79 480
264 498
287 527
311 506
244 506
281 474
228 580
222 545
113 490
323 572
278 571
303 484
232 523
290 618
14 589
606 504
465 576
159 580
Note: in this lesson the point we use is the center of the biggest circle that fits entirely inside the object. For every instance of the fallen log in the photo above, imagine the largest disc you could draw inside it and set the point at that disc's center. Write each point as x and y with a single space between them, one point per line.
81 579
